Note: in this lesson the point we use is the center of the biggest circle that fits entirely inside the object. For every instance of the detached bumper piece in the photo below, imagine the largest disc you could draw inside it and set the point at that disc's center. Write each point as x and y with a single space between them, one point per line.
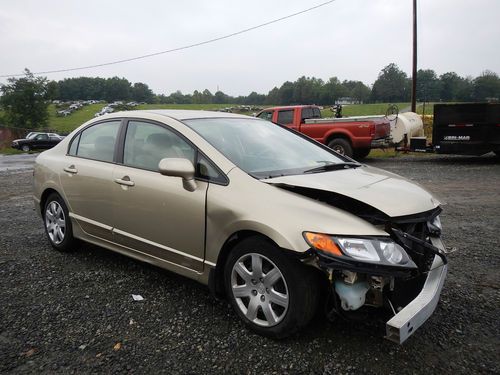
411 317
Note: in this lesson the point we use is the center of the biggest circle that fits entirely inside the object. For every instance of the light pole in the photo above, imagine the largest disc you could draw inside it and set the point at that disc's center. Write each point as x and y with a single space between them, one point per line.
414 69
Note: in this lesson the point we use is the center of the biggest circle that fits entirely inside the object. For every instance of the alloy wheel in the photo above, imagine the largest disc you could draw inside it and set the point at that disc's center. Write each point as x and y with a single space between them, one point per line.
259 289
55 222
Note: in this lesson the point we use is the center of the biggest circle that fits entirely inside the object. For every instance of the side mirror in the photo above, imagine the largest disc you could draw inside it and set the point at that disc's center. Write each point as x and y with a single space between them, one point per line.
176 167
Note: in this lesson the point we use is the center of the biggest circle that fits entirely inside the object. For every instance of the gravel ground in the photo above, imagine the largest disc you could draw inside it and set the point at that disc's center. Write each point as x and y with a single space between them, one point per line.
73 313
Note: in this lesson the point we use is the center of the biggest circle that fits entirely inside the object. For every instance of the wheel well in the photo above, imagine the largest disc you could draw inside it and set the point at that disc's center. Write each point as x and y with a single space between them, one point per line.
216 278
44 197
338 135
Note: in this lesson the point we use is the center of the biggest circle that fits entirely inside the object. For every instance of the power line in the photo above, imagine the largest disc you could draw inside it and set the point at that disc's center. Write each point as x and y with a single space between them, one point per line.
178 48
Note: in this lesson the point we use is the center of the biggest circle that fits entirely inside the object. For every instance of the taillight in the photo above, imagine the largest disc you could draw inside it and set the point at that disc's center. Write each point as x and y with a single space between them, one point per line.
372 129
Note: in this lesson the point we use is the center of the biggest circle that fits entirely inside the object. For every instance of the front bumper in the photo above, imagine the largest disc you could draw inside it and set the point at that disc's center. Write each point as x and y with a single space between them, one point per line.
15 145
409 319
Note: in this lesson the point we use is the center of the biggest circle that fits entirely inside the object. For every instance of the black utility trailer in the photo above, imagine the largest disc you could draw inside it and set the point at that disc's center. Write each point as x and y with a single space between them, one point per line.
464 129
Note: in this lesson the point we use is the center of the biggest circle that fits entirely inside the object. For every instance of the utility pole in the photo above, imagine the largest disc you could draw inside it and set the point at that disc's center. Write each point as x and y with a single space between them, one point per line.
414 69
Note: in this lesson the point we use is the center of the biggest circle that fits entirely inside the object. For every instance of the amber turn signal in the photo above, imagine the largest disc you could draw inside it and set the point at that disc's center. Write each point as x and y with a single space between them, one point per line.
322 242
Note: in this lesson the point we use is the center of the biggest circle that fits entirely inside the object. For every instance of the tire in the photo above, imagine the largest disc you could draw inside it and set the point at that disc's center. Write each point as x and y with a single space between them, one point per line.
276 299
26 148
361 153
340 145
57 223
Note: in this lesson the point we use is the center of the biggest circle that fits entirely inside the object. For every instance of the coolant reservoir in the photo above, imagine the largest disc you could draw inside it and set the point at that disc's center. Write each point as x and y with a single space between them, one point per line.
352 296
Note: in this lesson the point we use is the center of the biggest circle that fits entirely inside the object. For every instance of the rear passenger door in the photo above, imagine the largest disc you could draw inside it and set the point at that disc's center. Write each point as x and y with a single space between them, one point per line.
155 214
86 177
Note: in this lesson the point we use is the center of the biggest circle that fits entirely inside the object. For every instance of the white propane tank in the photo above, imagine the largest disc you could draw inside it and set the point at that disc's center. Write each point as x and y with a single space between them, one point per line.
409 124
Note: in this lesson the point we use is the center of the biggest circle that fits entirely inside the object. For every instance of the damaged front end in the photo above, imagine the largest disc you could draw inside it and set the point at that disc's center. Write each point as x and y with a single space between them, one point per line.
401 274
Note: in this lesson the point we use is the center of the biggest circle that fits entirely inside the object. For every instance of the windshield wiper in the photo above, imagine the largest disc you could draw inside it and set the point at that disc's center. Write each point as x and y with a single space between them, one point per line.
333 167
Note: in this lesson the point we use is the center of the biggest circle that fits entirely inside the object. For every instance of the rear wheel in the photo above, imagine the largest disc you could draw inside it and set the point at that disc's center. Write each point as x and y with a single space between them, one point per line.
271 292
340 145
57 223
361 153
26 148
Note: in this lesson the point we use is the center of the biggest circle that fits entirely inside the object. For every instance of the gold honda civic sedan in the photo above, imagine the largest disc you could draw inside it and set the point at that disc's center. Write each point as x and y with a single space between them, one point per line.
275 222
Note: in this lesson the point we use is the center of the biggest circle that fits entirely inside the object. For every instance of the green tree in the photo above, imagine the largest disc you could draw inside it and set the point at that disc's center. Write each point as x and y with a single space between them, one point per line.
391 85
428 85
24 101
486 86
454 87
142 93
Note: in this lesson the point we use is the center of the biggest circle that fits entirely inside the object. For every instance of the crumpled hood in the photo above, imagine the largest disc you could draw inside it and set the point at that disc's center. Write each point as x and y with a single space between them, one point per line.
385 191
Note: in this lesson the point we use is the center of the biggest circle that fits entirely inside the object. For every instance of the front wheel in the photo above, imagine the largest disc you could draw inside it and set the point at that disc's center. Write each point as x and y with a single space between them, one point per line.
57 223
340 145
26 148
273 293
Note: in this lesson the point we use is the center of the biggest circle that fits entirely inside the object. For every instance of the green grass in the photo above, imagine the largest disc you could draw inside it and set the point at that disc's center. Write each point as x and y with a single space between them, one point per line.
206 107
11 151
71 122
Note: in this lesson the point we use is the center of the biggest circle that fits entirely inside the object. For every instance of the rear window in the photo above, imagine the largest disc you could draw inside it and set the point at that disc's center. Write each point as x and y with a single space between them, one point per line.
285 117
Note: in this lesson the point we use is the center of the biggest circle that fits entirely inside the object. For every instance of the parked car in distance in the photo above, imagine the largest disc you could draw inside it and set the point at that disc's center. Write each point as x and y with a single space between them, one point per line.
351 136
37 141
275 222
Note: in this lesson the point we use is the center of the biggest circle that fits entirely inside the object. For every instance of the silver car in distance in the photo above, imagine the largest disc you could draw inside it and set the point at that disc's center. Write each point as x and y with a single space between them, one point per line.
275 222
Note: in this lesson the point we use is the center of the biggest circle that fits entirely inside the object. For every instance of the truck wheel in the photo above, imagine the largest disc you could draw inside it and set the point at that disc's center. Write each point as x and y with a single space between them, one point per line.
361 153
340 145
25 148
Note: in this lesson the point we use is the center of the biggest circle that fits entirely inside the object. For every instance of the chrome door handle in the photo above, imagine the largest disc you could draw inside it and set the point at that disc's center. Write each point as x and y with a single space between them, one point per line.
71 169
122 181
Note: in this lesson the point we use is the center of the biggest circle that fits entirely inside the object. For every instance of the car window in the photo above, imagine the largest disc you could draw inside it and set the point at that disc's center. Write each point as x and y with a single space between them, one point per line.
97 142
42 137
251 145
207 171
285 117
266 115
316 112
307 113
146 144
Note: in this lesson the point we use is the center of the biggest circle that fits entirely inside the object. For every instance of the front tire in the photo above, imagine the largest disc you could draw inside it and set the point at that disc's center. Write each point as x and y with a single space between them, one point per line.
26 148
273 293
342 146
57 223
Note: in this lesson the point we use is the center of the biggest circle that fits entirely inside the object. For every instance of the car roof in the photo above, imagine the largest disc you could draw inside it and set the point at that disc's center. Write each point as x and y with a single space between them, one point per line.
177 114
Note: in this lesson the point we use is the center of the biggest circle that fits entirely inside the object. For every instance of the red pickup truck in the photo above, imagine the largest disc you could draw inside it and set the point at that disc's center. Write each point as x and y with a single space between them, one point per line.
351 136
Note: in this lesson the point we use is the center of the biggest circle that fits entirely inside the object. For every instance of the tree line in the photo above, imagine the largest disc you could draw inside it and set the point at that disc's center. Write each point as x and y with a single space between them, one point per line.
391 85
24 100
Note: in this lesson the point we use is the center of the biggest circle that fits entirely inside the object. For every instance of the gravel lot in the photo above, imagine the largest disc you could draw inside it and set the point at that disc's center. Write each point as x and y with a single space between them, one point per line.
74 313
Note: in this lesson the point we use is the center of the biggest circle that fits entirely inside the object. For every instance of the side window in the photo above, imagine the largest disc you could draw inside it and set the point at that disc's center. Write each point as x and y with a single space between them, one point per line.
42 137
146 144
267 115
97 142
307 113
285 117
74 145
206 171
316 112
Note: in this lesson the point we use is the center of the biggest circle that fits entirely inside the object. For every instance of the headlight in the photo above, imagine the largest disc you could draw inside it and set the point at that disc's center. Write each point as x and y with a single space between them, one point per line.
434 226
372 250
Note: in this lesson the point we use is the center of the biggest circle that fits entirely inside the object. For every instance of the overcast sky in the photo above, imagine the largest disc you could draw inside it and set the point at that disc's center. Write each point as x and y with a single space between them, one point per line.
350 39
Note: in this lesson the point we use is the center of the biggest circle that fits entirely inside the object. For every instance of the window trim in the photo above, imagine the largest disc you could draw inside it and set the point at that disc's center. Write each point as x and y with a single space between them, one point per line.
77 134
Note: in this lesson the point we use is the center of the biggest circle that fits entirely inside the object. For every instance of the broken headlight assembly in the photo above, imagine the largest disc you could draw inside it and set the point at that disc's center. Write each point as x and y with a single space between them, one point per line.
382 252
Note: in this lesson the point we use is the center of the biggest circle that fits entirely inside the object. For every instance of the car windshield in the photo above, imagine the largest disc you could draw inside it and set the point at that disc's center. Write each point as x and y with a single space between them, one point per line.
261 148
31 135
